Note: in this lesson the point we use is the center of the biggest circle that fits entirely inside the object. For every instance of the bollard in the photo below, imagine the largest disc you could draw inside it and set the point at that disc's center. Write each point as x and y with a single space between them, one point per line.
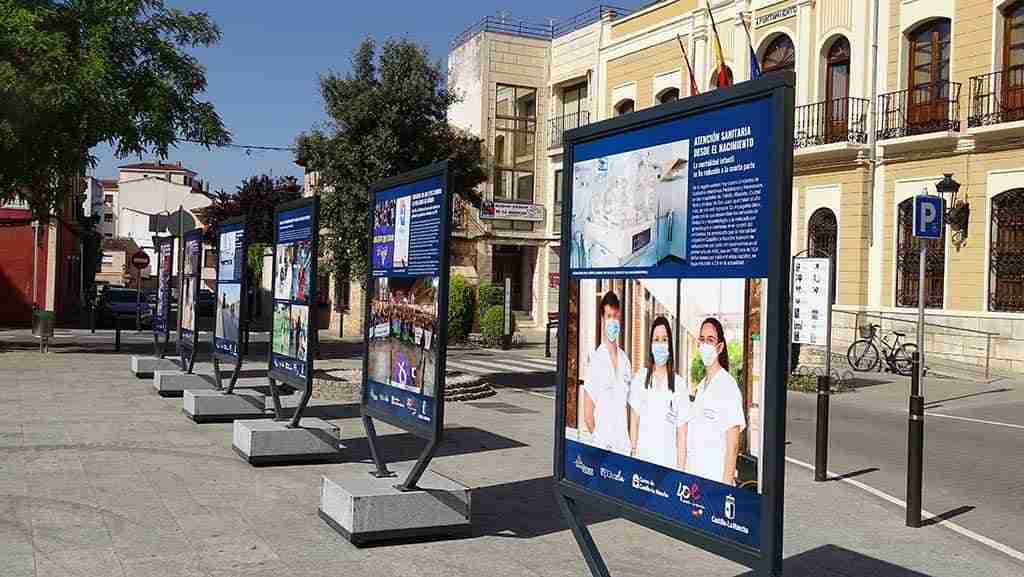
117 334
821 433
915 447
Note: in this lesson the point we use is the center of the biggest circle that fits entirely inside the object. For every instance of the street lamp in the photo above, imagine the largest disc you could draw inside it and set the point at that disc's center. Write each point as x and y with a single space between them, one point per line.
958 211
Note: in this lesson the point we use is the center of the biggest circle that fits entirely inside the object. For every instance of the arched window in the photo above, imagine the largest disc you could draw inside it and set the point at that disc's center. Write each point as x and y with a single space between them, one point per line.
668 95
714 77
1013 62
778 55
908 262
837 90
625 107
1006 253
822 234
928 77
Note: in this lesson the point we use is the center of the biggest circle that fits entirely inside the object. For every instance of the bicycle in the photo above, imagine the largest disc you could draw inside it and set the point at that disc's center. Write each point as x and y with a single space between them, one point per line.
863 354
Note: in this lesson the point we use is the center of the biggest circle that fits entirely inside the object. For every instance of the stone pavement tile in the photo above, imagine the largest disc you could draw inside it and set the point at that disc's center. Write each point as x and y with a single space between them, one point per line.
13 476
185 565
60 524
132 541
17 564
15 527
11 434
173 491
59 460
233 551
75 563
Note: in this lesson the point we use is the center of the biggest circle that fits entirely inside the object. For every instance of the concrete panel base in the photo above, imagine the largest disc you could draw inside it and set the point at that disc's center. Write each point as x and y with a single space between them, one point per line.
144 367
174 383
269 442
210 406
365 509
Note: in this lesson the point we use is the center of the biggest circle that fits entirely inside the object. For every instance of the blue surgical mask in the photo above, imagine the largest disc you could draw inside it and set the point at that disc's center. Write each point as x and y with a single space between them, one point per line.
611 329
660 353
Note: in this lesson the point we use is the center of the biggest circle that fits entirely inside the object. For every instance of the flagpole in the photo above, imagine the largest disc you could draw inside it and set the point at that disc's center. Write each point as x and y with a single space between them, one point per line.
723 78
689 69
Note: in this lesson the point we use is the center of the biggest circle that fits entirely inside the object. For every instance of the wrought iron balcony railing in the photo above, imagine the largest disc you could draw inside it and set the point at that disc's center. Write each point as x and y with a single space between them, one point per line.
933 107
566 122
831 121
997 97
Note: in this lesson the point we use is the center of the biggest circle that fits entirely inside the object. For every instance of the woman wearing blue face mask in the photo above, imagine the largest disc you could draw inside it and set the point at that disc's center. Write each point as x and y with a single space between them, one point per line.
716 416
658 412
606 384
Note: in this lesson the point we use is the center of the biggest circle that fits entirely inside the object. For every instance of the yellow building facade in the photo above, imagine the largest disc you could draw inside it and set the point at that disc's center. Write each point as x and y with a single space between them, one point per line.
945 95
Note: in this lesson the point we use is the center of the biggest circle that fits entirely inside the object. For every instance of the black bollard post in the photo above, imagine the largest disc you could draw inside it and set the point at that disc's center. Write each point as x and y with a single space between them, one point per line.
821 434
915 447
117 334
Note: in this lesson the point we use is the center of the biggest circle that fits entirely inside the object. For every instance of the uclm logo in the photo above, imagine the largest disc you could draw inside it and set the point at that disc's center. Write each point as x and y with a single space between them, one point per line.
588 471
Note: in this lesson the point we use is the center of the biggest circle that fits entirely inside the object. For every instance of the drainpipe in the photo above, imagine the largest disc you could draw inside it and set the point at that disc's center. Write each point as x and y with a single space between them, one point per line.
873 127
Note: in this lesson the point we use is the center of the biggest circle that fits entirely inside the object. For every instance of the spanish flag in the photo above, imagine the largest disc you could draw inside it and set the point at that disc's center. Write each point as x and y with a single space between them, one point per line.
723 70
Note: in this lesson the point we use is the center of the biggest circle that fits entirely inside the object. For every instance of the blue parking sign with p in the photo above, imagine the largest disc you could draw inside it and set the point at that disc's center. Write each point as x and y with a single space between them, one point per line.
928 216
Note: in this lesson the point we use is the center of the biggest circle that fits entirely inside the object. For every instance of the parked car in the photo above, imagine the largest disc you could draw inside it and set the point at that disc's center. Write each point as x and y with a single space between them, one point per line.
121 302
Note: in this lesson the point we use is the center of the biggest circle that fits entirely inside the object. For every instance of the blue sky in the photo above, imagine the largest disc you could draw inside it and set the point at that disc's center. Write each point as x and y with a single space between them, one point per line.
263 75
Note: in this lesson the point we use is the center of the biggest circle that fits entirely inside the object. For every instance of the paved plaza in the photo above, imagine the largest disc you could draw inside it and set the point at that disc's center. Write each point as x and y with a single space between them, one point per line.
100 476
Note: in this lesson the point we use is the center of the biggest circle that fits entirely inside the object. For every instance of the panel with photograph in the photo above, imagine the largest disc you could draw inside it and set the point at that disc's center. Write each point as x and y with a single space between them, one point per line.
402 348
629 209
282 335
661 361
229 302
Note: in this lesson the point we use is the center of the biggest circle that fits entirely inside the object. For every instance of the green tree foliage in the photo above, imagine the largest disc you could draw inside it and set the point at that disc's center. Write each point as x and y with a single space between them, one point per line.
489 294
461 305
255 199
386 116
77 73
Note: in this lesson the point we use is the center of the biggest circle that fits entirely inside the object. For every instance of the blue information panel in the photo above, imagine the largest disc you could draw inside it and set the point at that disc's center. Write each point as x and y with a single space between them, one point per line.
673 226
294 254
403 344
189 309
230 276
165 264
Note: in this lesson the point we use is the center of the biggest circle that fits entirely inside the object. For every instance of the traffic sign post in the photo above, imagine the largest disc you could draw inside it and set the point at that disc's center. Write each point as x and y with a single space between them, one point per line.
929 214
140 260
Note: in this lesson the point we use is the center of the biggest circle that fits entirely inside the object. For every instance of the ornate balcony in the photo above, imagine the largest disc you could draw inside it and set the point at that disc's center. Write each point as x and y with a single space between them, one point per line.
831 122
996 98
923 109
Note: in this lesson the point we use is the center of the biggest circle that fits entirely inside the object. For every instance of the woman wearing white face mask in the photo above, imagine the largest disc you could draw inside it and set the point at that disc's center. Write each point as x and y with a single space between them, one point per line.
657 424
606 385
716 414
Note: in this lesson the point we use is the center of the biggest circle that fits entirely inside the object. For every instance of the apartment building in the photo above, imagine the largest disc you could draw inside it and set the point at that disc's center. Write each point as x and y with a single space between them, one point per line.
946 96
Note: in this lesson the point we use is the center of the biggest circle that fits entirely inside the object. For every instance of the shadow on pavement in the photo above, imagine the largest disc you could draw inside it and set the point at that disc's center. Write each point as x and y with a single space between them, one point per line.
856 473
407 447
947 515
521 509
521 380
936 403
834 561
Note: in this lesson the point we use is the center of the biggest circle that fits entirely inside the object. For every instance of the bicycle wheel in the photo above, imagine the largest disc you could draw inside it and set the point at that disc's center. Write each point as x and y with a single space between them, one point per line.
863 355
903 359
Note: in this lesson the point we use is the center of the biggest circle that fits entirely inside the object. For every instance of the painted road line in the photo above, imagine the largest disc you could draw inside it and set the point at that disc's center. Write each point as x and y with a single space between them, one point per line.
925 515
496 366
534 393
970 420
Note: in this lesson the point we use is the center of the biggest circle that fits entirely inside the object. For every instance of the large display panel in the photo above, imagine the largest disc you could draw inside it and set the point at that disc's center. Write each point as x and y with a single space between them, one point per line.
188 309
408 301
673 284
165 265
230 312
293 331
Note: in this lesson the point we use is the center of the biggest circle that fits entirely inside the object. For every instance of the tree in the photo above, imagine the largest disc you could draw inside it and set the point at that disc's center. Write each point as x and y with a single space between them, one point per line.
255 199
388 115
76 73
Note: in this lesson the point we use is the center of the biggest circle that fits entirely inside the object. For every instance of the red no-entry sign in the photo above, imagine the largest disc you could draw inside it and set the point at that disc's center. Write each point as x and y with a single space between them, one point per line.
140 260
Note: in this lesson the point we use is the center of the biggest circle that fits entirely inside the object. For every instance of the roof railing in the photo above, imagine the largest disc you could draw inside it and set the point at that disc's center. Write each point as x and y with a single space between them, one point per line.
534 30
